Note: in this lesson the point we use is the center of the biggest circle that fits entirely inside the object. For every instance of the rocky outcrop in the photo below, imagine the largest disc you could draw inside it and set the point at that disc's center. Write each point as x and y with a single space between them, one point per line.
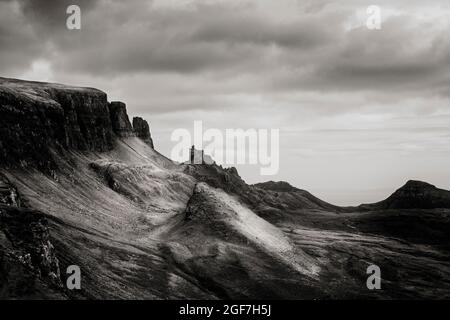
199 157
28 262
25 245
122 127
119 119
142 130
216 176
8 193
37 118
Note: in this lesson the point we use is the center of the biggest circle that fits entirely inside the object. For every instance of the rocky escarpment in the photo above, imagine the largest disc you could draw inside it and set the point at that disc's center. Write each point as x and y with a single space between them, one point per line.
142 130
119 119
122 127
38 119
216 176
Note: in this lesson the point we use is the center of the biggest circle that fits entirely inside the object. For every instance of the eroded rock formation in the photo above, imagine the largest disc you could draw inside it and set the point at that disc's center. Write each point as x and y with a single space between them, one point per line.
142 130
119 118
38 119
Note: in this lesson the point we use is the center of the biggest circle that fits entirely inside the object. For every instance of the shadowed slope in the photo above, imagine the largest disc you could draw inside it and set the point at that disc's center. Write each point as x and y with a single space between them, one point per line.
414 195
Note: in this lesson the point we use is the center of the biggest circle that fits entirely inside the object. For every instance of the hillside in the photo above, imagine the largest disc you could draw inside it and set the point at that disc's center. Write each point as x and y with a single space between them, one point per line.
414 195
81 184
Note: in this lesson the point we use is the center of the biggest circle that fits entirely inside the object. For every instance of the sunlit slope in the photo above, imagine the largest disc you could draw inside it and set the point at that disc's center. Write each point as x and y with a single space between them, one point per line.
130 189
127 217
233 249
105 210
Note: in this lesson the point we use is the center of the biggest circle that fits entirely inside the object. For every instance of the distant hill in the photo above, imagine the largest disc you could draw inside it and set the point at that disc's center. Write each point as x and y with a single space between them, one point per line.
282 195
414 195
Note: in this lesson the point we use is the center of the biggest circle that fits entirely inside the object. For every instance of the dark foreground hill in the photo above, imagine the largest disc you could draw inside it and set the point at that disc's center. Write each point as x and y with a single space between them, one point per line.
82 185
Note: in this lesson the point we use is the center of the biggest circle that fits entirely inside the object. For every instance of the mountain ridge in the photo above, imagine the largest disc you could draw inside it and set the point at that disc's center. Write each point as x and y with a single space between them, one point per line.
78 108
38 119
83 186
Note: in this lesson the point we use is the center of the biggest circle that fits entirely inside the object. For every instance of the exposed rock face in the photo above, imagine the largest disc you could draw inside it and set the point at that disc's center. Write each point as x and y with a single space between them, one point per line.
36 118
119 118
25 244
142 130
199 157
28 262
8 193
227 179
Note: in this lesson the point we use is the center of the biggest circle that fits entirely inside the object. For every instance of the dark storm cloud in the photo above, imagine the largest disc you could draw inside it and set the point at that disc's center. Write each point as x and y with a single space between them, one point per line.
205 38
306 47
235 28
117 38
27 29
303 51
51 13
18 45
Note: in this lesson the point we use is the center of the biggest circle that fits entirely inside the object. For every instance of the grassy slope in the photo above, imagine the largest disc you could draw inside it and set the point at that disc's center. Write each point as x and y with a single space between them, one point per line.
121 216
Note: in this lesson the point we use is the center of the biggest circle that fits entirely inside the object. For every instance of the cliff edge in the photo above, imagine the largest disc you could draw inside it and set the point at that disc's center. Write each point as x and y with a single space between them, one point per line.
38 119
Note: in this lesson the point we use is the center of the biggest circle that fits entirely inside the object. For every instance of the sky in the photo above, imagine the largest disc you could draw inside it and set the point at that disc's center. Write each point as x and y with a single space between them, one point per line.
359 111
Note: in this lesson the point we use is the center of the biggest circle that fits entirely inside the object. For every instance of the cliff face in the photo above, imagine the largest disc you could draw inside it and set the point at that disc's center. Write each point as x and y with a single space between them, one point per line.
37 119
122 127
119 119
142 130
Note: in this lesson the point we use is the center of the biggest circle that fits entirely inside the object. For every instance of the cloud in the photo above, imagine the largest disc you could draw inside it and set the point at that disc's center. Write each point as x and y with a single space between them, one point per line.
210 52
17 40
51 14
293 46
